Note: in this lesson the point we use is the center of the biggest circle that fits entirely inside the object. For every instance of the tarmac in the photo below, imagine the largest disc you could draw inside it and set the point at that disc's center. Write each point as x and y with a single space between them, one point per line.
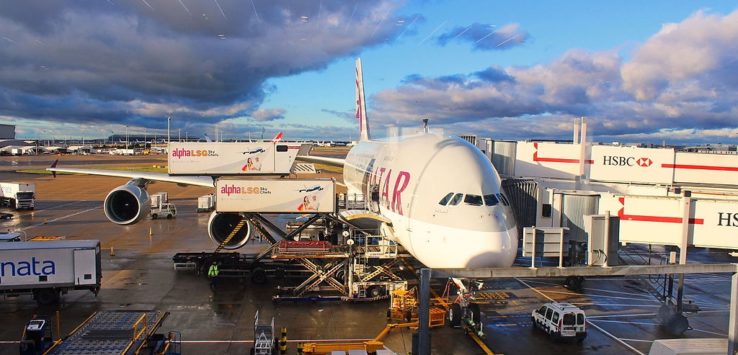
140 276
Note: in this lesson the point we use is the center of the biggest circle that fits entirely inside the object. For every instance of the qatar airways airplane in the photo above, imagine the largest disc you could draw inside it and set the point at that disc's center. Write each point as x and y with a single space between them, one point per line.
441 196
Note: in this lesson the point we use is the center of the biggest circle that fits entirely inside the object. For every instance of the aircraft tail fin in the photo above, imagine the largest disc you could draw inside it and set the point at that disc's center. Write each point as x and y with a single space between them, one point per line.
53 165
361 103
278 137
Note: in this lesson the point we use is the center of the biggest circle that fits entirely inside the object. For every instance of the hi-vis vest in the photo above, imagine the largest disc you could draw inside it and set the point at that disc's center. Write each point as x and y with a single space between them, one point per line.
213 271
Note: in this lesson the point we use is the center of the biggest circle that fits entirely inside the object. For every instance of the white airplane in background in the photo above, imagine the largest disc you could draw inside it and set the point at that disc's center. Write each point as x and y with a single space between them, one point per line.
442 197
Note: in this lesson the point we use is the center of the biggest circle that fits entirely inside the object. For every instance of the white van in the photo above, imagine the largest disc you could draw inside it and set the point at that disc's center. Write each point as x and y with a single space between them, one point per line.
561 321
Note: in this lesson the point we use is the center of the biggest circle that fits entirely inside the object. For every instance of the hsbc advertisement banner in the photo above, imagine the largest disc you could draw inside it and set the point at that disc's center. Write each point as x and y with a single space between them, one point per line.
658 220
226 158
276 196
550 160
627 164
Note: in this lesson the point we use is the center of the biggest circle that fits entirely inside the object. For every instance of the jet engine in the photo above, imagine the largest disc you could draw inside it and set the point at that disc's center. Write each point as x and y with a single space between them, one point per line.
127 204
221 225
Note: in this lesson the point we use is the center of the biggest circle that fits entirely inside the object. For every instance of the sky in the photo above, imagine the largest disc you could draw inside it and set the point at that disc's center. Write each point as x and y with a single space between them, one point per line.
653 72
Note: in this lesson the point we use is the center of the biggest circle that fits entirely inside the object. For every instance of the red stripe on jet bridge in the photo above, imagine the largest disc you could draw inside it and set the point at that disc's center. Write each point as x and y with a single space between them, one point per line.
556 160
658 219
700 167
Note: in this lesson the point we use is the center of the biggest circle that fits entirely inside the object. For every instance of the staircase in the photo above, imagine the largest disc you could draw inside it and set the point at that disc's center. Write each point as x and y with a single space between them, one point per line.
235 231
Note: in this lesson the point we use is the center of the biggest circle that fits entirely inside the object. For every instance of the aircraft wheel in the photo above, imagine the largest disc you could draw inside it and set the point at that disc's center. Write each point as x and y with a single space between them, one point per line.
47 296
258 276
454 315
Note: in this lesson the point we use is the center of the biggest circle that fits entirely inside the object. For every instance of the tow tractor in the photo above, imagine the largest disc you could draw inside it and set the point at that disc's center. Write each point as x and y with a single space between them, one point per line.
37 337
464 310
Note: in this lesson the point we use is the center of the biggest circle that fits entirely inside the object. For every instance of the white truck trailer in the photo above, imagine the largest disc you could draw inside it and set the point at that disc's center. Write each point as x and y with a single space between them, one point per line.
48 269
18 195
206 203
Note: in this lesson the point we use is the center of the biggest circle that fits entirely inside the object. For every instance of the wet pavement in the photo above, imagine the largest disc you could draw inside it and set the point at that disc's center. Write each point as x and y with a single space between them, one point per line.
621 314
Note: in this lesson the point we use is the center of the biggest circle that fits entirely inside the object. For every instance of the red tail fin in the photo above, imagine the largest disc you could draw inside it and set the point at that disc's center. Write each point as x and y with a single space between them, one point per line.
53 165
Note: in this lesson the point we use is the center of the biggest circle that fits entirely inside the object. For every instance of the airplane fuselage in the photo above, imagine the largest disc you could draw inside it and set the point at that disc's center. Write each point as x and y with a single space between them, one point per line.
470 228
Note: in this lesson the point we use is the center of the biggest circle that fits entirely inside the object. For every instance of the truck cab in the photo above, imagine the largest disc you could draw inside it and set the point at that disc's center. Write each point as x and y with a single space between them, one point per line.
164 210
161 207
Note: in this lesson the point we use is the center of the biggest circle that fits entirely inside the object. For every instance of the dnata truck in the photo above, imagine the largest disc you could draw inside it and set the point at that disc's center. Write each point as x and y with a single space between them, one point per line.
18 195
48 269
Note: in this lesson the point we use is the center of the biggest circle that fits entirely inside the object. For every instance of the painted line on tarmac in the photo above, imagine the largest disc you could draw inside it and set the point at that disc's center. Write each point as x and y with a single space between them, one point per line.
724 335
590 323
595 295
289 341
622 321
624 315
59 218
638 340
615 304
66 204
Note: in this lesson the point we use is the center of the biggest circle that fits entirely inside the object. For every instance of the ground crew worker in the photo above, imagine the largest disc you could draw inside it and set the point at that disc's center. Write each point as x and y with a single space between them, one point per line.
213 274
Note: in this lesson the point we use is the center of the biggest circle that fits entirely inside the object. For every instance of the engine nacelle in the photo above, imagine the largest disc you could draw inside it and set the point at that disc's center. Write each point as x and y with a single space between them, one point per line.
127 204
221 225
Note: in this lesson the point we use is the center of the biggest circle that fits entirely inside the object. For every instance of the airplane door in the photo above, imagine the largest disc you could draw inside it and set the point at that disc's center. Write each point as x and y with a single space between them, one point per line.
371 188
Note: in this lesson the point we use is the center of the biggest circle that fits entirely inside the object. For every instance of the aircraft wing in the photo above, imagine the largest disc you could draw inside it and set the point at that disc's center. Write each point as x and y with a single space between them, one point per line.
322 160
206 181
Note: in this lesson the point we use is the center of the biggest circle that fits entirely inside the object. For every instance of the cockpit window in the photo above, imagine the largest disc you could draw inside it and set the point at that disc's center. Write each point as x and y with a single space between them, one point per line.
445 199
503 199
491 200
474 200
456 199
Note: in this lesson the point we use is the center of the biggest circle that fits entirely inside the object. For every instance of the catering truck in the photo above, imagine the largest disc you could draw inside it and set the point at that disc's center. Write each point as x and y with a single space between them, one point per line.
48 269
18 195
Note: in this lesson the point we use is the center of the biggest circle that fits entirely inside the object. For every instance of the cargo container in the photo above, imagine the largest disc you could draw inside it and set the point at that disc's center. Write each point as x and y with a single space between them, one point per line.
226 158
18 195
48 269
276 196
206 203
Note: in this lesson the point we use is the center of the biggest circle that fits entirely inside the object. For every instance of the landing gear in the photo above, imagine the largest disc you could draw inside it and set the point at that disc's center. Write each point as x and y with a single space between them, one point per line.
454 315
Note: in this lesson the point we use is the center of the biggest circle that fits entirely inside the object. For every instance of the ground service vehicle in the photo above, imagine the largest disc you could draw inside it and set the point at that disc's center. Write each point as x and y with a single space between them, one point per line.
561 320
48 269
37 337
161 208
18 195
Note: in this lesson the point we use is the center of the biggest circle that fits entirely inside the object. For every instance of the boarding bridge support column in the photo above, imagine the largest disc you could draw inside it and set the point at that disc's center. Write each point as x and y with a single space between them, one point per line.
733 320
686 213
424 313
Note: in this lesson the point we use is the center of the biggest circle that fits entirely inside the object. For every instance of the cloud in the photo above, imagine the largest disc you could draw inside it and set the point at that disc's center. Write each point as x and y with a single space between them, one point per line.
486 36
136 62
272 114
681 80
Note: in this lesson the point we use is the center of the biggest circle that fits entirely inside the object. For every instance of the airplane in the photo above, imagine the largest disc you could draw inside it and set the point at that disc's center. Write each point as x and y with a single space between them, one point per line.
441 195
259 150
311 189
441 198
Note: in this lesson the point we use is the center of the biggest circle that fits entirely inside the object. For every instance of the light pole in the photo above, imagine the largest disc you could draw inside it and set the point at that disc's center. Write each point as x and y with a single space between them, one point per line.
169 120
126 139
